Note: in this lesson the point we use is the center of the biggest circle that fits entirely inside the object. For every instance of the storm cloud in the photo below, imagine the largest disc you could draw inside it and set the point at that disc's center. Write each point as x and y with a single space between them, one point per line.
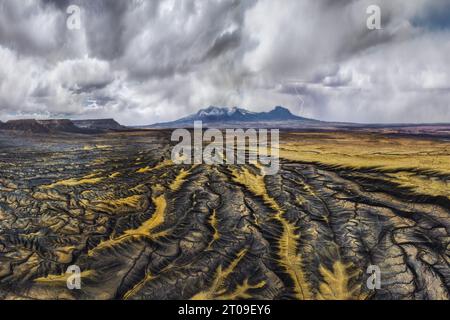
149 61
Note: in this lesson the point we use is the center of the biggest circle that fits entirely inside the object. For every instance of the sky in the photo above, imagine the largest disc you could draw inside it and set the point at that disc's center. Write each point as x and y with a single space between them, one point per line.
143 62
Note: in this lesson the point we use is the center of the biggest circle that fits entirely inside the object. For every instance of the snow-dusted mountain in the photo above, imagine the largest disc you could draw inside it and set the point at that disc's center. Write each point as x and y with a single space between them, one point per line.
212 112
237 117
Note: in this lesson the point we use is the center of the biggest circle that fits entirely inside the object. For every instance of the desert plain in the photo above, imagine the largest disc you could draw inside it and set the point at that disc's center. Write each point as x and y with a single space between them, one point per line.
141 227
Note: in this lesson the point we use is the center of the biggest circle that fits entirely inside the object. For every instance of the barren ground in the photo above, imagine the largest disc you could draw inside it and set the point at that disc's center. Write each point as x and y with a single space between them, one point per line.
140 227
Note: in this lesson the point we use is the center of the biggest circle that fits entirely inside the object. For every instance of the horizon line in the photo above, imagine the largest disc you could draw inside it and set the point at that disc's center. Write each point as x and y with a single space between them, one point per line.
230 108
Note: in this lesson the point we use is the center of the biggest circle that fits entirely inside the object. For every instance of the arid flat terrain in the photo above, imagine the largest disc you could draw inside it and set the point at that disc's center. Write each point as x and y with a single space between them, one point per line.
141 227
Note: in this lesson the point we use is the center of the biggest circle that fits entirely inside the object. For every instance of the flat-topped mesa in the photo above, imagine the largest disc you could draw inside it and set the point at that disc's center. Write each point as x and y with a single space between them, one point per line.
26 125
99 124
62 125
40 126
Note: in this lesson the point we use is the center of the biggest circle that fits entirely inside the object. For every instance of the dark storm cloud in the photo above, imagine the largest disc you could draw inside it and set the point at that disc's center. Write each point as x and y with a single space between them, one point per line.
104 23
223 43
61 4
435 17
168 47
148 61
19 23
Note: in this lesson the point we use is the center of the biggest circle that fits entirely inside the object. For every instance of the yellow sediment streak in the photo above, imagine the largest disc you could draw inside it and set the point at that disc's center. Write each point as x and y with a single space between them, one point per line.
132 201
138 286
92 147
256 185
434 186
288 241
241 291
292 261
118 205
64 254
335 285
214 224
115 175
145 230
179 180
217 287
89 179
61 279
156 220
160 165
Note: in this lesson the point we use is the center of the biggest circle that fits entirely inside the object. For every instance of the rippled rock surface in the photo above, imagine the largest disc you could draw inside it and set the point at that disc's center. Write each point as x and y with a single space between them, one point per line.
140 227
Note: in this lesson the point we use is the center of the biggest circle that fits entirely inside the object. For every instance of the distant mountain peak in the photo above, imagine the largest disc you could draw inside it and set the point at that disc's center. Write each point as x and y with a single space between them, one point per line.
213 111
236 116
281 109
